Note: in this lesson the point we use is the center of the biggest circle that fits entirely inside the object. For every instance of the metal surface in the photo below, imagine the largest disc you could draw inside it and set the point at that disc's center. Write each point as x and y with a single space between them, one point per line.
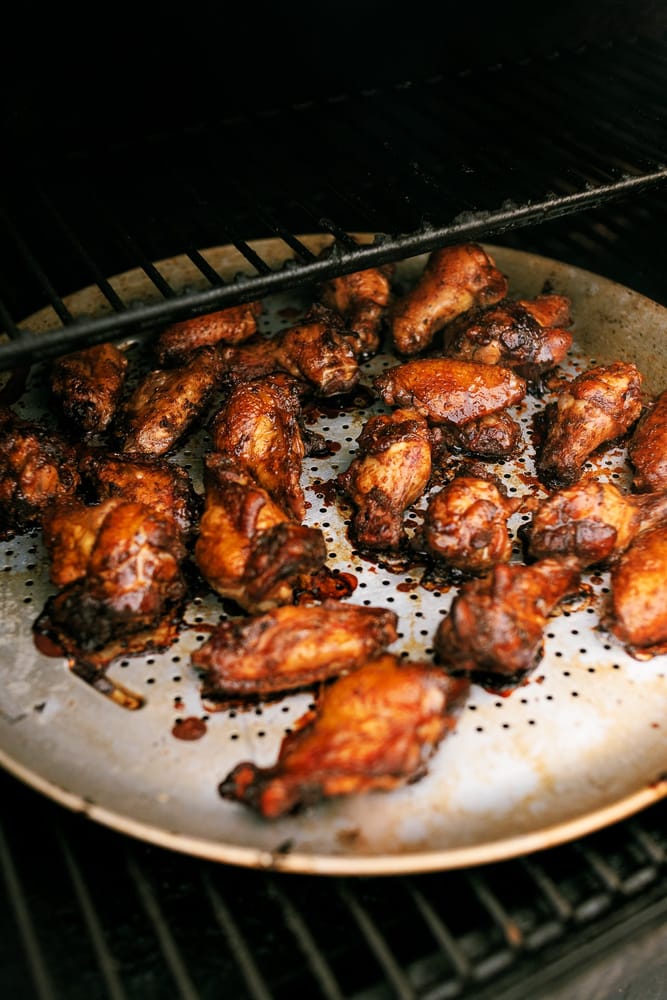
577 748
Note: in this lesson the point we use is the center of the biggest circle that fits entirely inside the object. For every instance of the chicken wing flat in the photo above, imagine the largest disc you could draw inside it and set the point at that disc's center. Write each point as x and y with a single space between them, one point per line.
593 521
258 426
317 351
121 566
511 334
38 466
166 404
390 471
495 435
447 390
647 448
374 729
362 299
177 344
292 647
637 604
495 625
455 279
466 524
149 479
248 549
87 385
597 406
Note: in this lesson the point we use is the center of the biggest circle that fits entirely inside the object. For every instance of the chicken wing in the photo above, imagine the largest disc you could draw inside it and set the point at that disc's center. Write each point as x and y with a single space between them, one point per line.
166 404
647 448
373 729
258 427
447 390
38 466
87 385
597 406
292 647
362 299
495 435
177 343
466 524
248 549
455 279
390 471
637 605
593 521
495 625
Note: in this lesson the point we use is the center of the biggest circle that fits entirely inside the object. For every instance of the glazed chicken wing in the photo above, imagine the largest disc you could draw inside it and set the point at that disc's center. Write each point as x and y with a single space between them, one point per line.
316 351
362 299
292 647
454 280
166 404
593 521
495 435
447 390
465 524
373 729
495 624
647 448
248 549
87 385
177 344
38 466
390 471
599 405
637 606
258 426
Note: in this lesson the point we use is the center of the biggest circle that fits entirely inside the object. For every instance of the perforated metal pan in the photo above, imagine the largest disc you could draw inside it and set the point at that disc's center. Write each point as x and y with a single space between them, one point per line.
581 745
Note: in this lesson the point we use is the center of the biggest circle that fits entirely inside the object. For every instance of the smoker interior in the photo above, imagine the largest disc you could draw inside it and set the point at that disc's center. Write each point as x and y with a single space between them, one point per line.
552 140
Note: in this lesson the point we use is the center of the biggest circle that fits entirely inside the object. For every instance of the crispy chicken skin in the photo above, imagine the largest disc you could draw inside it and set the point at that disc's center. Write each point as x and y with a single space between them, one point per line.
495 435
38 466
447 390
149 479
317 351
495 624
88 384
593 521
647 448
258 426
599 405
389 472
248 549
166 404
511 334
120 567
292 647
373 729
637 605
177 344
455 279
362 299
465 524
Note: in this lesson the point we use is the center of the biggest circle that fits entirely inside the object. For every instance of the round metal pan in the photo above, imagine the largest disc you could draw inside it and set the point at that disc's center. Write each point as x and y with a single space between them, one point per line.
581 745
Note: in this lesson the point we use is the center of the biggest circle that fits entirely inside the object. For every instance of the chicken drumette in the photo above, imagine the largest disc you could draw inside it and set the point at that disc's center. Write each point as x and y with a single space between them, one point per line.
599 405
177 344
248 549
495 624
292 647
454 280
87 385
362 299
258 427
636 611
374 729
390 471
647 448
495 435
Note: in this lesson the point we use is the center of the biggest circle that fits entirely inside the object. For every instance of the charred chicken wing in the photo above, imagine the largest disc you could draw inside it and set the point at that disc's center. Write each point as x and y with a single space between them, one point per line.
637 607
373 729
177 344
597 406
88 384
495 624
647 448
248 549
454 280
390 471
292 647
362 299
495 435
